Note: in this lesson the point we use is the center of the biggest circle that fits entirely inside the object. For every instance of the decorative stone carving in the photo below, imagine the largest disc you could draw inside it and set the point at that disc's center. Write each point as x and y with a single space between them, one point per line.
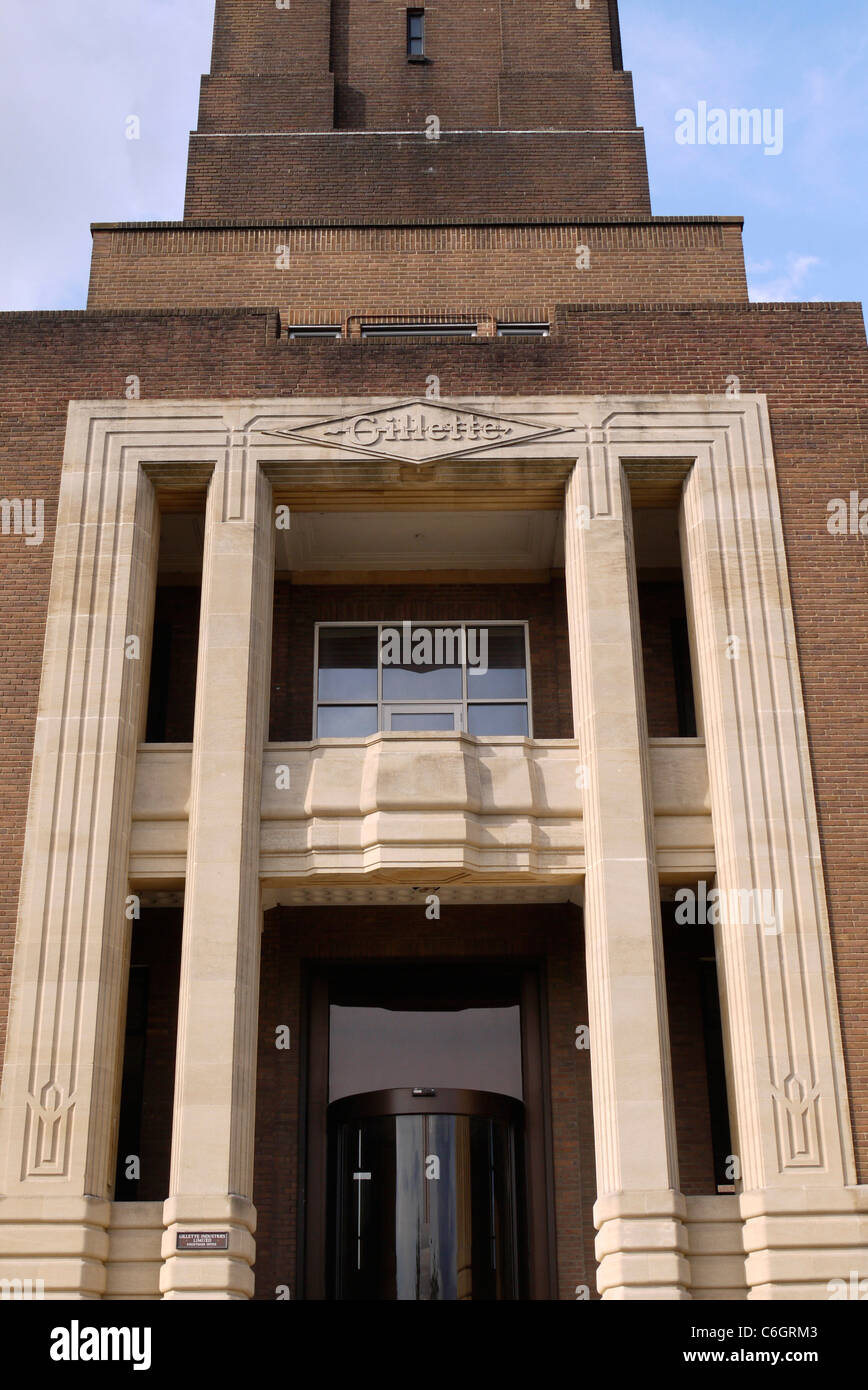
418 432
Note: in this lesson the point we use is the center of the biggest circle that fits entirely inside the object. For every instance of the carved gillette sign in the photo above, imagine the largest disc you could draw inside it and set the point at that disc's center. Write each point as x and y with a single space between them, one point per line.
418 432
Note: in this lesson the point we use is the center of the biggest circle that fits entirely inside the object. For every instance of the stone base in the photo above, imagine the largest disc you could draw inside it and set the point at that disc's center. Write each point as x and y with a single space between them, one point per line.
53 1247
805 1243
208 1274
642 1246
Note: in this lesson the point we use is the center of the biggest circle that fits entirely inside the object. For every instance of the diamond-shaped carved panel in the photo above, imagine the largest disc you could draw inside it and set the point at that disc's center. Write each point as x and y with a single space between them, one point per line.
418 432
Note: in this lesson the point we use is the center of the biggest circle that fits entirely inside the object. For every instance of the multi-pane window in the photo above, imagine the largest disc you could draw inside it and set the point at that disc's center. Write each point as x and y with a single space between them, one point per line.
415 33
420 678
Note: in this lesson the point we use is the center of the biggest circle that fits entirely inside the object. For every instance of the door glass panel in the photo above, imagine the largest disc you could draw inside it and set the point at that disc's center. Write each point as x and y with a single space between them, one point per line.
347 664
426 1209
497 719
346 721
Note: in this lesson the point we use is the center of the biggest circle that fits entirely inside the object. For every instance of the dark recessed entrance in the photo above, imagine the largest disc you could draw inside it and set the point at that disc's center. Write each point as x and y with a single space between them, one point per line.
427 1134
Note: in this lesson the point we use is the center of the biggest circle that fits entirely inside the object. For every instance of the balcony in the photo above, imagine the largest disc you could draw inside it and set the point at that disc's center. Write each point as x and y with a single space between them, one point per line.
422 808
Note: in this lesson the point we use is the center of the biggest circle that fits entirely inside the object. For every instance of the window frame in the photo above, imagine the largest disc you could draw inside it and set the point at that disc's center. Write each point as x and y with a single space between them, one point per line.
313 330
416 56
423 328
528 329
456 708
464 702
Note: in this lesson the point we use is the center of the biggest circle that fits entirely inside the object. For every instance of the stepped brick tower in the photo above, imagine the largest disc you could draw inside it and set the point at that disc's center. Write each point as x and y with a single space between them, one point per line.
433 744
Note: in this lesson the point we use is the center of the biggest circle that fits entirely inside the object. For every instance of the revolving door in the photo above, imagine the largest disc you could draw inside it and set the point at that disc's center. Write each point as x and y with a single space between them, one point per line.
425 1190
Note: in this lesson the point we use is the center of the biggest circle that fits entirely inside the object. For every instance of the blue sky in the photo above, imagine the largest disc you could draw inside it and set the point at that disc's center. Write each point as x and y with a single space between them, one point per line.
806 210
72 73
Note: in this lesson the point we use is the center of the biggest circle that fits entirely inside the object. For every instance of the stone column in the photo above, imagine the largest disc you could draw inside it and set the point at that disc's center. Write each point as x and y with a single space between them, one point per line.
215 1081
804 1218
58 1112
641 1241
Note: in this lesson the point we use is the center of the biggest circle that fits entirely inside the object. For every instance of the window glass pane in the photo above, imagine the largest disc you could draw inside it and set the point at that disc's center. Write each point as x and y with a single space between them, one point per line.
497 719
347 663
433 671
415 32
346 721
506 678
429 722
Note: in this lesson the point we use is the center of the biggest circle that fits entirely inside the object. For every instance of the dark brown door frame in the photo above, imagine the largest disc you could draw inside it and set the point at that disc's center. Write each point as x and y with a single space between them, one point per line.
313 1221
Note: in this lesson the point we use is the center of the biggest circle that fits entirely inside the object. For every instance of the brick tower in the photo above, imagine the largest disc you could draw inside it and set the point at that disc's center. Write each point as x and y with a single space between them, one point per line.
430 765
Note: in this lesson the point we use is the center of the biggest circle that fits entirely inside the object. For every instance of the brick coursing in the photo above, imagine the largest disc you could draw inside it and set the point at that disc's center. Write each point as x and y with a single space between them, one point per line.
330 273
309 175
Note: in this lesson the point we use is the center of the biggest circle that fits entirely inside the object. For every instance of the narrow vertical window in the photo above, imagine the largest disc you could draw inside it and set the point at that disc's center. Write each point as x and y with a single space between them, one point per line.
415 33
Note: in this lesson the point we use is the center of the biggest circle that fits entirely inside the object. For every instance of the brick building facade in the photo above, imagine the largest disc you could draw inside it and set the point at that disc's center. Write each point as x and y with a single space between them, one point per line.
420 356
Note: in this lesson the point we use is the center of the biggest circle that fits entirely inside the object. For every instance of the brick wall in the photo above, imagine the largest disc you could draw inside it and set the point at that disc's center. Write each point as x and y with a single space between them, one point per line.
370 175
266 103
172 695
513 65
682 949
539 33
478 271
810 359
659 606
252 37
156 945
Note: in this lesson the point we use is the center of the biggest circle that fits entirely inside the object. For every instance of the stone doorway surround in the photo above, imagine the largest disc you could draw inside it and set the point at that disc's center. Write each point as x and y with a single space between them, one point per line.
803 1218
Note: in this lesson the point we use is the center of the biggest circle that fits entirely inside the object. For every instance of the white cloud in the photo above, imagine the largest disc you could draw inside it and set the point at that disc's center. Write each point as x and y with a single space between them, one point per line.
787 284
